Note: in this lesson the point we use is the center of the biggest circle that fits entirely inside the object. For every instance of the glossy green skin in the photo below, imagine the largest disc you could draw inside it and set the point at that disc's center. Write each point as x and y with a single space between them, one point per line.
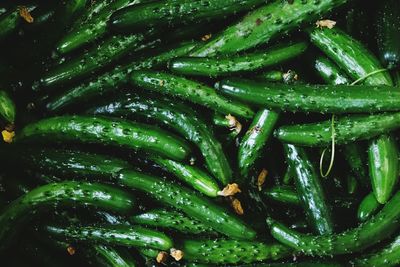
170 12
313 98
354 155
283 194
350 55
288 176
170 219
265 23
76 6
107 256
7 108
71 10
330 72
388 256
214 67
189 202
383 157
354 58
116 235
96 254
223 251
229 132
10 20
89 14
109 81
220 120
193 176
189 90
309 188
288 195
388 33
347 129
81 164
106 131
271 76
60 194
93 28
183 120
289 77
368 207
379 227
107 52
148 252
69 163
194 31
255 139
351 184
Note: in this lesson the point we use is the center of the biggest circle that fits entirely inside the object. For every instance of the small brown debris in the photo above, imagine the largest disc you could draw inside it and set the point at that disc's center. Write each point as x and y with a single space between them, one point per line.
8 136
10 127
71 250
290 76
326 23
161 82
255 129
237 206
234 124
162 257
206 37
176 254
261 178
24 13
230 190
258 22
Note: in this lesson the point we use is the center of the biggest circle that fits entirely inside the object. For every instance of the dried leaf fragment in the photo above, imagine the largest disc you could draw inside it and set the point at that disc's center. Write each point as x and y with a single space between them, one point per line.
8 136
176 254
325 23
261 178
230 190
234 124
290 76
162 257
24 13
237 206
71 250
206 37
